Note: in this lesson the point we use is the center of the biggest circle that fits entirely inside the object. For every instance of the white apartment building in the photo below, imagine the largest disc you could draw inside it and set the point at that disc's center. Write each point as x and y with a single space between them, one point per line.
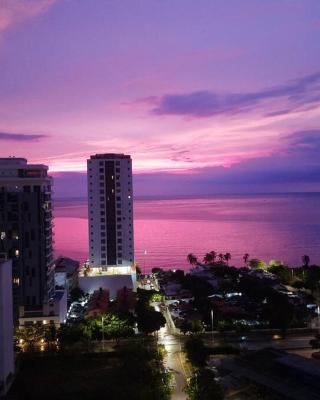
6 326
110 216
110 212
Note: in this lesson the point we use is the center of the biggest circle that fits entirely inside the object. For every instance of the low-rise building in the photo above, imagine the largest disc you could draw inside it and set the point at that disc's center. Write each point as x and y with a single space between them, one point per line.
54 311
98 303
66 273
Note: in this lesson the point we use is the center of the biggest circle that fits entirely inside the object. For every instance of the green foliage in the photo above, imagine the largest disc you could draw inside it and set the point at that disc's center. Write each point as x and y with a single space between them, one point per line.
202 386
196 351
113 325
150 321
72 334
255 263
283 273
156 297
157 270
134 372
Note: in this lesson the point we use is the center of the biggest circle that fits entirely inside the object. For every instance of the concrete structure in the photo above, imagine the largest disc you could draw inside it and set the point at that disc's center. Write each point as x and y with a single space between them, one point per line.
66 274
6 327
98 303
110 202
54 311
26 231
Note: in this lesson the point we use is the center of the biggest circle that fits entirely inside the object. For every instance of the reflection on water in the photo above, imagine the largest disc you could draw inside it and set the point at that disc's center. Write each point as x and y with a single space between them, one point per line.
265 226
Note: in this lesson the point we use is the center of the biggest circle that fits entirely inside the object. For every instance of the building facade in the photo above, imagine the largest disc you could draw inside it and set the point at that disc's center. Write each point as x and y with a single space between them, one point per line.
110 202
6 326
26 231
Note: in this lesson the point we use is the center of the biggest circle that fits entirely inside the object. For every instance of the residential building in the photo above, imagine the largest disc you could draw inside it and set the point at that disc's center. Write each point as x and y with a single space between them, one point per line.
98 303
110 203
66 274
6 326
26 231
110 212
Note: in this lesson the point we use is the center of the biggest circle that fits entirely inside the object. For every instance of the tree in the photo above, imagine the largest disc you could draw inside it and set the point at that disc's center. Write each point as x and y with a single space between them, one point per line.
157 270
278 310
30 335
221 258
196 351
208 258
227 257
306 260
192 259
202 386
246 259
282 272
71 334
255 263
150 321
76 294
214 255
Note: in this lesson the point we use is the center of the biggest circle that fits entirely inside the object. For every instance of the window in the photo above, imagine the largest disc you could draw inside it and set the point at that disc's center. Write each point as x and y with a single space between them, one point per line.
119 226
102 227
102 220
119 240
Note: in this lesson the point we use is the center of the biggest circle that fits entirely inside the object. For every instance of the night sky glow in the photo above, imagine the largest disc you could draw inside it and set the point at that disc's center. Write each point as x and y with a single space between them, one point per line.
208 95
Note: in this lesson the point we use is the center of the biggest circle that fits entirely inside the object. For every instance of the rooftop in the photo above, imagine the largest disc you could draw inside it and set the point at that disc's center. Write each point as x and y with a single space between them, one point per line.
109 156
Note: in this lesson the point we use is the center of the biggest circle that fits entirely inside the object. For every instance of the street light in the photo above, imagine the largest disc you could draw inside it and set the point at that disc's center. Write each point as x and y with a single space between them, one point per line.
212 325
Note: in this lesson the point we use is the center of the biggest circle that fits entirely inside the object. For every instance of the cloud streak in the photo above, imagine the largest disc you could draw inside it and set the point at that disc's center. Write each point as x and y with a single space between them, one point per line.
20 137
13 12
298 94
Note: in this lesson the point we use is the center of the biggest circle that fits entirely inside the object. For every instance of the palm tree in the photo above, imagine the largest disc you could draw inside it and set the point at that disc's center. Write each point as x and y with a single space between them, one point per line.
192 259
208 258
306 261
221 257
213 255
246 259
227 257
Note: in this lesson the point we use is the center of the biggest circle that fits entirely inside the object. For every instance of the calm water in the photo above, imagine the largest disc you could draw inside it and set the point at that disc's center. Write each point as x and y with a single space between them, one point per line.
266 226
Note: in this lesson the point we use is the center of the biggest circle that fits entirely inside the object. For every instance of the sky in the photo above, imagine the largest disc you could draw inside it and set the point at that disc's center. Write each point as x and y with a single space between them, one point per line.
208 96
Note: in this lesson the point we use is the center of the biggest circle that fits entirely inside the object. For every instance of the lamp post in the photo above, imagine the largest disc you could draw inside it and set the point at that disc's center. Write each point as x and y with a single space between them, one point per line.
102 321
212 324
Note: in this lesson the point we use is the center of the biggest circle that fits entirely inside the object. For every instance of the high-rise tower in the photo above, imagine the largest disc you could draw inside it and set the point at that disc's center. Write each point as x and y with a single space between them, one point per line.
110 213
26 231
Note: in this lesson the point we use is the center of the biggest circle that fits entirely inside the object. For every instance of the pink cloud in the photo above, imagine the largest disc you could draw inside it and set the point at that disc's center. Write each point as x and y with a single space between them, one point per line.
13 12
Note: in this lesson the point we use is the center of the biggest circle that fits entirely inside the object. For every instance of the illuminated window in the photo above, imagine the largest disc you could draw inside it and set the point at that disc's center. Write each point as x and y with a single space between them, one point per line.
3 235
16 281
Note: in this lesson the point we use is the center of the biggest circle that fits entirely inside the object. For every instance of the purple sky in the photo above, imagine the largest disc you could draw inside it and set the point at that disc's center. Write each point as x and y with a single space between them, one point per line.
207 96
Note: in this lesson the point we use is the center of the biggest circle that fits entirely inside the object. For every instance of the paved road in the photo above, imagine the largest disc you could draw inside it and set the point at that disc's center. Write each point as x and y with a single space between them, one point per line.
176 363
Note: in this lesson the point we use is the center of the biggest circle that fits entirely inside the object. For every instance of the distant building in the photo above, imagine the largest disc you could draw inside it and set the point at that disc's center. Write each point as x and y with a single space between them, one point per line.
110 202
282 374
6 326
66 274
26 231
126 299
98 303
110 212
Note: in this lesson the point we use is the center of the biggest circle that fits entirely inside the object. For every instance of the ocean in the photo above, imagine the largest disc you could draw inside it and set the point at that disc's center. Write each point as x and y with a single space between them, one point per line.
270 227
